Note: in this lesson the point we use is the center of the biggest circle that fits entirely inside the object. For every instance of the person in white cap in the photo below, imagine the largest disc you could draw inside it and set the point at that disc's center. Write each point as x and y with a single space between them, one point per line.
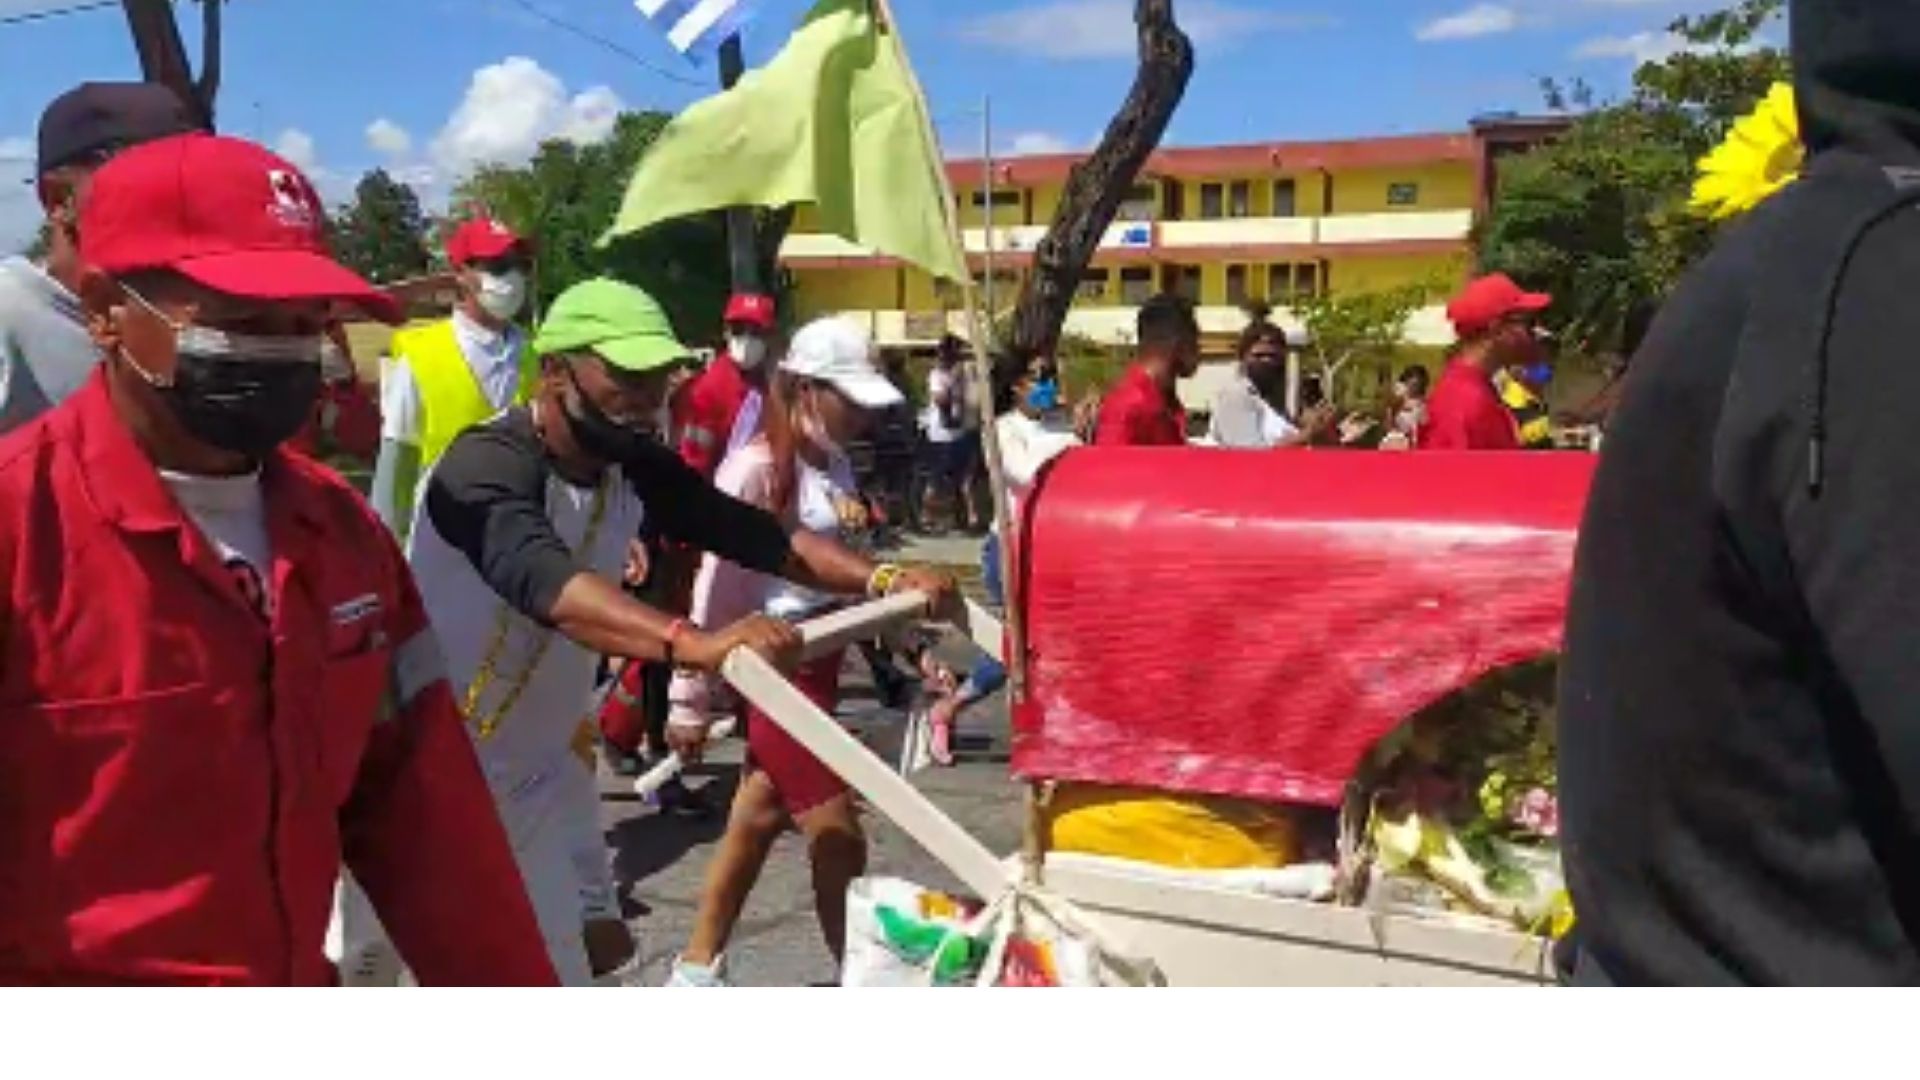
823 394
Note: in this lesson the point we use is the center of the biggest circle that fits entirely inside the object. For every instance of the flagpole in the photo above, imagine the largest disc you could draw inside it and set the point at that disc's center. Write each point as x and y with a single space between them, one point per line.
979 331
743 255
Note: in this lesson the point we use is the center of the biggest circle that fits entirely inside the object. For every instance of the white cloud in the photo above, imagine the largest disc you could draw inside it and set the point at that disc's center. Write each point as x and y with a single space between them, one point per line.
513 106
1480 20
1038 142
1645 47
1104 29
388 138
20 212
17 151
298 147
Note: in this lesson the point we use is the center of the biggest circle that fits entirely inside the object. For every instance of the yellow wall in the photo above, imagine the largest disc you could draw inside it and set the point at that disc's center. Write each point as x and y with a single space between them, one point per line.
824 292
1443 186
1377 273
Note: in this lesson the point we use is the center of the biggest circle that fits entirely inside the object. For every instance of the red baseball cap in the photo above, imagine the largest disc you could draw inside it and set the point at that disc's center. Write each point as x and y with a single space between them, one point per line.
226 213
1486 300
481 239
753 309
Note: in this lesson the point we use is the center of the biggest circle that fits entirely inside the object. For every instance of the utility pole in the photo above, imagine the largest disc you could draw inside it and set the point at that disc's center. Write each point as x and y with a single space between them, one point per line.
987 208
163 56
743 250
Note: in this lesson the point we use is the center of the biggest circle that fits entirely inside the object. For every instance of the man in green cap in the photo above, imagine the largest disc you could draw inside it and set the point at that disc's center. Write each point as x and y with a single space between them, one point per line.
518 546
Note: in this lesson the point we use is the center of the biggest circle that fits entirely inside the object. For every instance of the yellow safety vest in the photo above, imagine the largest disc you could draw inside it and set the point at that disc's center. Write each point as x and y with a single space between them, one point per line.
451 399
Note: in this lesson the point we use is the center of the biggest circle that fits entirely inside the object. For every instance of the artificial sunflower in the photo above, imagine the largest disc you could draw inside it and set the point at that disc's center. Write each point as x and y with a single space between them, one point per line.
1761 155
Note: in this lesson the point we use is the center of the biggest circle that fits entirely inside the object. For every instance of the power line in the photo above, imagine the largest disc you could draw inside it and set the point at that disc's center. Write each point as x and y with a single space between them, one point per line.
611 46
54 13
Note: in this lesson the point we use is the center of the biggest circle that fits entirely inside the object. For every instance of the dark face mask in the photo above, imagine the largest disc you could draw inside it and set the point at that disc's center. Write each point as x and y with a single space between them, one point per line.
237 392
242 406
599 434
1270 379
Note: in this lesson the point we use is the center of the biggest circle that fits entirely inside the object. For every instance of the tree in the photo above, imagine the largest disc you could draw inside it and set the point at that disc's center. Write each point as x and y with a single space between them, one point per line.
382 232
1348 326
1597 217
564 199
1097 185
36 248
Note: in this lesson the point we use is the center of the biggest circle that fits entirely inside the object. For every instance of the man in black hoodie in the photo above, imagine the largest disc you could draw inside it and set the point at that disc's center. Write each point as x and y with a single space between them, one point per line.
1740 704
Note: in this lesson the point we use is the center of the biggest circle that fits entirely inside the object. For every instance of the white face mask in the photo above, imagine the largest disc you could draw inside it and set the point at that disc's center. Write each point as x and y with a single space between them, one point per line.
747 350
502 295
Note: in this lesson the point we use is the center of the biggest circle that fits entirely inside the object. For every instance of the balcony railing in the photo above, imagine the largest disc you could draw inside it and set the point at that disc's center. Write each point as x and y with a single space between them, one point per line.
1339 229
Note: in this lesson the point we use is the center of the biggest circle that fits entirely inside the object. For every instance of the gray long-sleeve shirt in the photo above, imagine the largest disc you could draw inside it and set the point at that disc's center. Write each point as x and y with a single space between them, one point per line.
45 353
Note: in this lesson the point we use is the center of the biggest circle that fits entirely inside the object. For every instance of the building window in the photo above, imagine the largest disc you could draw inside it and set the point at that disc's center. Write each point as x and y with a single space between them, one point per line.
1240 199
1288 282
1284 194
1139 203
1237 294
1001 197
1093 284
1403 194
1136 284
1182 281
1213 202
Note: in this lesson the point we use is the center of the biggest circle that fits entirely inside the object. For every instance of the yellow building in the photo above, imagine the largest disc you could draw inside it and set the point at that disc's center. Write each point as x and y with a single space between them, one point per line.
1224 225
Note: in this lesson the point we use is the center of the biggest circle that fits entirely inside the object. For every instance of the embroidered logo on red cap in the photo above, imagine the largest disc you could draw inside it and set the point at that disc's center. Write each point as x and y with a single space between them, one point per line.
293 205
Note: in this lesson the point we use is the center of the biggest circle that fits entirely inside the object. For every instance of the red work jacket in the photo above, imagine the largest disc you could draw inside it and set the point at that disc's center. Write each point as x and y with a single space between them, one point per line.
704 412
181 778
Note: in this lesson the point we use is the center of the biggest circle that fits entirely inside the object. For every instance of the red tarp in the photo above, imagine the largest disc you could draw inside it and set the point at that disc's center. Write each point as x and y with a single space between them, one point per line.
1250 624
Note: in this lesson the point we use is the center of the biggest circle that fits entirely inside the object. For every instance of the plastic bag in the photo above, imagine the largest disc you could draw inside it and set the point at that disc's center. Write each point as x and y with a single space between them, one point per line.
899 934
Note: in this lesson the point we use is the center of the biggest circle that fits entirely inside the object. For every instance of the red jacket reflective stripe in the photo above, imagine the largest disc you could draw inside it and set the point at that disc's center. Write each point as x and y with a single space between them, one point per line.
180 780
704 411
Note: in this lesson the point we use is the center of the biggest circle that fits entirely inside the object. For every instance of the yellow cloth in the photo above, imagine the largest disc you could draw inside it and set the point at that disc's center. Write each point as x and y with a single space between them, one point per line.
451 400
1190 832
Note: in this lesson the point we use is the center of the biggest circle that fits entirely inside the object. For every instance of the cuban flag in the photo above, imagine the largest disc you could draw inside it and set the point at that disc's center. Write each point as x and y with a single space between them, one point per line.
695 28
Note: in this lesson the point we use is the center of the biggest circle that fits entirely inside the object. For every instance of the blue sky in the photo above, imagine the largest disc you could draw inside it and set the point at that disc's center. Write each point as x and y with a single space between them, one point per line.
429 87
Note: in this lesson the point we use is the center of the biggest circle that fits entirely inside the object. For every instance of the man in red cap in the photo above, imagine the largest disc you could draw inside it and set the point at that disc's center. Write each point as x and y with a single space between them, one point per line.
711 414
1494 319
445 375
217 682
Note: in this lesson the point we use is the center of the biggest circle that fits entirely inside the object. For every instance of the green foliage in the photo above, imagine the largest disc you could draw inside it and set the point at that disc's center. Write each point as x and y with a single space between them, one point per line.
1347 326
36 248
567 196
1598 216
382 232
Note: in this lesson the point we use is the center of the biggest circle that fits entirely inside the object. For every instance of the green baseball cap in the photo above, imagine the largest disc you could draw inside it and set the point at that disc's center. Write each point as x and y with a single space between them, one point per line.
623 325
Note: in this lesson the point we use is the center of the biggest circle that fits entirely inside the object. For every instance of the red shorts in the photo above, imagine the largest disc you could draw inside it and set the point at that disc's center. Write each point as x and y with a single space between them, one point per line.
800 779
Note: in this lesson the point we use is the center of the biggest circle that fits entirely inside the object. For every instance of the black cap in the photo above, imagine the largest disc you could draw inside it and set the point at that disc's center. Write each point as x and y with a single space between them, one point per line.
94 120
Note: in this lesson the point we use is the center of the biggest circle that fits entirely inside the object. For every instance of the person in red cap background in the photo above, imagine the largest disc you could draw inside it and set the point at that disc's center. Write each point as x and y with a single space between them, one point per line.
217 681
44 351
1494 319
711 414
442 376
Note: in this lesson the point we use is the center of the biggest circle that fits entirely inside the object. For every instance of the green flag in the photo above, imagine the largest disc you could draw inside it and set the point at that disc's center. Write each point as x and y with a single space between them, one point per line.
835 120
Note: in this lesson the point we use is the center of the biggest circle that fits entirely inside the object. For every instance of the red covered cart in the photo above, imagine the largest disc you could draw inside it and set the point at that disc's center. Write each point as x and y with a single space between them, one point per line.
1249 625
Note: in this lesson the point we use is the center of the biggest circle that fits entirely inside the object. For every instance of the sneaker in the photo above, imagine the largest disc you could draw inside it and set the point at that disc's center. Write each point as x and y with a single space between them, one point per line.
701 976
675 798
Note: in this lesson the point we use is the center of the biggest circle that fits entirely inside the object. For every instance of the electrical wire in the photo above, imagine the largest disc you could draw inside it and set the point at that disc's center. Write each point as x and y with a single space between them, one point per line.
611 46
54 13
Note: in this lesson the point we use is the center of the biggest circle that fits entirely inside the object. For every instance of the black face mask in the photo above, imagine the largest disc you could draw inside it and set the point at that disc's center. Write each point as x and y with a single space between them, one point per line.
1269 379
242 406
599 434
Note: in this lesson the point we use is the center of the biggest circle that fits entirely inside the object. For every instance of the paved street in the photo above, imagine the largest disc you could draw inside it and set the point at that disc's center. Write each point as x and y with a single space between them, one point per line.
660 861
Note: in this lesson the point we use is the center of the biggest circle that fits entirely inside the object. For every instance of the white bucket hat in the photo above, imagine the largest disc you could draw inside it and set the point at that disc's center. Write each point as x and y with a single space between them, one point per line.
839 353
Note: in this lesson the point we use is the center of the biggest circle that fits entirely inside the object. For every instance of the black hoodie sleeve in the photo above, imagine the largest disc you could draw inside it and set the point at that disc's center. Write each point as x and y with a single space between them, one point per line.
1855 545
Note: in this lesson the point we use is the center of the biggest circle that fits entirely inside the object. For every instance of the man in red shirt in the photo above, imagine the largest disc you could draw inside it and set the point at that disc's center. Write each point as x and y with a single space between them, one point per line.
708 406
1142 408
217 682
1493 318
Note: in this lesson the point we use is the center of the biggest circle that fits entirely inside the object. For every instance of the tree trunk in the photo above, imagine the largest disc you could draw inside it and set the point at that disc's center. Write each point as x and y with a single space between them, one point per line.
1097 185
163 56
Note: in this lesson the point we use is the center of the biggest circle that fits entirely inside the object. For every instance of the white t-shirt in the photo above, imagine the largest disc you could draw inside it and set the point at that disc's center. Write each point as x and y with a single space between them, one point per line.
1243 420
953 384
533 741
493 356
1026 445
231 512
